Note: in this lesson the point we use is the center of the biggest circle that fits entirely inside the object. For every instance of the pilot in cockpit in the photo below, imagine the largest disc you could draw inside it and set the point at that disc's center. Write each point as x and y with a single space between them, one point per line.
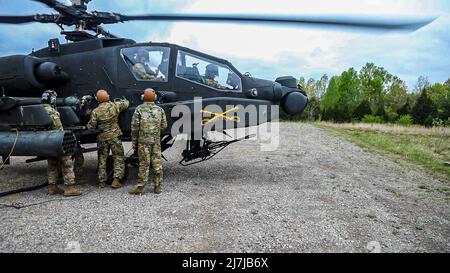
143 69
211 72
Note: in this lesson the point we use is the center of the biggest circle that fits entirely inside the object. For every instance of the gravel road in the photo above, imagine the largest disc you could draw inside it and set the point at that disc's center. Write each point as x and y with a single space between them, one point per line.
316 193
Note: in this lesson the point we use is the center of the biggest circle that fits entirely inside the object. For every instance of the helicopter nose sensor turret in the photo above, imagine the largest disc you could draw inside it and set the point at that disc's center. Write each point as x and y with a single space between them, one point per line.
294 102
284 91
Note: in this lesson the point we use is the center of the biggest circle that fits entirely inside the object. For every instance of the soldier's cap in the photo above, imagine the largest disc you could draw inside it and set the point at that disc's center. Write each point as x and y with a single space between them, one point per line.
102 96
149 95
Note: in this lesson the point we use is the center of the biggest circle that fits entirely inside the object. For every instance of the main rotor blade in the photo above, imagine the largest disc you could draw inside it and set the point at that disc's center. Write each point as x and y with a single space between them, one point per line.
323 21
59 7
22 19
6 19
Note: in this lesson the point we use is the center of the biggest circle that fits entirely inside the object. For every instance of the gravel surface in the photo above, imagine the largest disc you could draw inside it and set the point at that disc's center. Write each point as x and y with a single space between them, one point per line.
316 193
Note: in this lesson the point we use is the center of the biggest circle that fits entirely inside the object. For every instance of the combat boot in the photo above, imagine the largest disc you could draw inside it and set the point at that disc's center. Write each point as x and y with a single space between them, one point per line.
116 184
71 191
55 190
157 189
137 190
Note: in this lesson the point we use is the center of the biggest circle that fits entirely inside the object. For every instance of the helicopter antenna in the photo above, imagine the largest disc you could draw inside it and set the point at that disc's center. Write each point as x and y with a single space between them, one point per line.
77 15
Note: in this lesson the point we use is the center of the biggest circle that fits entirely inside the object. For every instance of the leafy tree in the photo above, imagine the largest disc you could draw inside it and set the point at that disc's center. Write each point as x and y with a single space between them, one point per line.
447 84
308 86
362 110
397 94
424 109
381 112
342 97
378 96
422 83
330 99
375 82
314 88
321 86
440 95
390 114
312 111
350 94
405 109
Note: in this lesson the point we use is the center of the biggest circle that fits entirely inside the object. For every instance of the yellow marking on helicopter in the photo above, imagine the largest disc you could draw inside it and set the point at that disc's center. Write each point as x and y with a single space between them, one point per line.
220 115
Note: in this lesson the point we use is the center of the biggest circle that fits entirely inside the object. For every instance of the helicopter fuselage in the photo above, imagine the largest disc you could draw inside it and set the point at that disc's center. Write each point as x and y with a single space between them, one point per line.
84 67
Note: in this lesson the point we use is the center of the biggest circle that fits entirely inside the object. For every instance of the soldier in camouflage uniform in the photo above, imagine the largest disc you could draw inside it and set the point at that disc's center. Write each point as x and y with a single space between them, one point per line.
147 122
105 117
64 163
142 69
212 71
140 72
213 83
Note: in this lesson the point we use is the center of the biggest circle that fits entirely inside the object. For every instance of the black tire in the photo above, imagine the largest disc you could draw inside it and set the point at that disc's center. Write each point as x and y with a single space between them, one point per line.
110 170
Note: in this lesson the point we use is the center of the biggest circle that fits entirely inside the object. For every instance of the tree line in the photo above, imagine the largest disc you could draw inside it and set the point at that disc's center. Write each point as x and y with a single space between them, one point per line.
374 95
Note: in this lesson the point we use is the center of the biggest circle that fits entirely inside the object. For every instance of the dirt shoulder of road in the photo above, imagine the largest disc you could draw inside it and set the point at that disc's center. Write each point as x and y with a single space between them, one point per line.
411 146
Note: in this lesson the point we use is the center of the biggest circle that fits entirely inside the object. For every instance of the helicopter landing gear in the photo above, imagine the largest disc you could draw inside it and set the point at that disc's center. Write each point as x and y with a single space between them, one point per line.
201 150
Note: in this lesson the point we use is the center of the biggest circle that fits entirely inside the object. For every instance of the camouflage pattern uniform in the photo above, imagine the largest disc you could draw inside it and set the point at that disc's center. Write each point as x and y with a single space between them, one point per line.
141 73
146 125
213 83
55 164
105 117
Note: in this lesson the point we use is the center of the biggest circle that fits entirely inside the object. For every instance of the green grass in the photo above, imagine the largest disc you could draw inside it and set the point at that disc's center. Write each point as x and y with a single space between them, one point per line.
428 150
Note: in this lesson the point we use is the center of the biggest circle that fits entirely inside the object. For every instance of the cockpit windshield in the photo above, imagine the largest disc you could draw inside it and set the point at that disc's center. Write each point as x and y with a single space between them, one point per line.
207 72
148 63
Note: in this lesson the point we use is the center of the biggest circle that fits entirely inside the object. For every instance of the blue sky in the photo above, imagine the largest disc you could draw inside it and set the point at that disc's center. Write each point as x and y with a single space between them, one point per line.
272 51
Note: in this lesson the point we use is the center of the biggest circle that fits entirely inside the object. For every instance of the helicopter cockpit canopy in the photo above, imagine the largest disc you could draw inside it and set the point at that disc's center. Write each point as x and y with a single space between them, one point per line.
148 63
207 72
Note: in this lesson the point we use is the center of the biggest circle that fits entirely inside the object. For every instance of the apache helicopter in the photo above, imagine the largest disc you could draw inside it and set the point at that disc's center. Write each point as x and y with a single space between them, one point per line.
94 59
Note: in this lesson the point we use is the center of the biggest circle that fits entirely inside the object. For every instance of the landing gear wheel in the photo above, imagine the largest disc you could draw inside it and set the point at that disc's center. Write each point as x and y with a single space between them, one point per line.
110 170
